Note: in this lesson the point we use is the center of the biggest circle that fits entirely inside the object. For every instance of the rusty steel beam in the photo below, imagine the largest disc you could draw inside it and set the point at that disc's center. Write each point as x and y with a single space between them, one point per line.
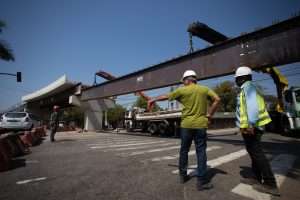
105 75
206 33
275 45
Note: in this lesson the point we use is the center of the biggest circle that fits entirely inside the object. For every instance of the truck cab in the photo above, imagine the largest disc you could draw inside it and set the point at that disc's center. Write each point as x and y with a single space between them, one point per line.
291 102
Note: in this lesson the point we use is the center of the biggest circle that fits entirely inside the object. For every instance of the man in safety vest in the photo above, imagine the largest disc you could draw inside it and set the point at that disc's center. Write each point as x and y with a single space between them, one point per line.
252 116
194 121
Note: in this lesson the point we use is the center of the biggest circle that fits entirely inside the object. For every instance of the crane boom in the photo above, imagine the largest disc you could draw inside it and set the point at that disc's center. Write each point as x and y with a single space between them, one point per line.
281 84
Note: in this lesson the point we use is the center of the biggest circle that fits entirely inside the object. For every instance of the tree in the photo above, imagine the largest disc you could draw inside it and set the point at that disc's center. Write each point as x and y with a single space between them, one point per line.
115 115
227 92
73 114
142 103
5 52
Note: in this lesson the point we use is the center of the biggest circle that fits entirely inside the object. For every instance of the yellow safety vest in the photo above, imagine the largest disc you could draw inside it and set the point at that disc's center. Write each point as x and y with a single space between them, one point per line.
263 116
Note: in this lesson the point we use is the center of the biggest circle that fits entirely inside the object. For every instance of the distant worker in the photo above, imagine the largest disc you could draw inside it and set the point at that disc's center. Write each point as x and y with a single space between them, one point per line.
194 122
54 122
252 116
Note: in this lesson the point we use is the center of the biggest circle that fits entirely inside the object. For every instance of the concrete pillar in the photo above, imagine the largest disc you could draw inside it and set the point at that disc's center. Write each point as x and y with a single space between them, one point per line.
105 119
92 120
93 111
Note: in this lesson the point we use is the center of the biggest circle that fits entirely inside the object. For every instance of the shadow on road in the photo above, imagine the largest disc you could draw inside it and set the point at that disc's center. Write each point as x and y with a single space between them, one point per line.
17 163
246 172
64 140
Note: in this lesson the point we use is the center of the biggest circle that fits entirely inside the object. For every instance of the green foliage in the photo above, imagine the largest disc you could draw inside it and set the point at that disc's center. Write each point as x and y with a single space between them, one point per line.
5 51
2 25
227 92
115 115
73 114
142 103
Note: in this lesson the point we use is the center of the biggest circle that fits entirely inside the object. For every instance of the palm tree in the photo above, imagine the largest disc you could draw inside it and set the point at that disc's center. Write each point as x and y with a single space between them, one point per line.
5 51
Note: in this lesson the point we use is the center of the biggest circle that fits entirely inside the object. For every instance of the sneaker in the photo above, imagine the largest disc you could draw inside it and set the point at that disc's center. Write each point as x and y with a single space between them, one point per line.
204 186
273 190
183 178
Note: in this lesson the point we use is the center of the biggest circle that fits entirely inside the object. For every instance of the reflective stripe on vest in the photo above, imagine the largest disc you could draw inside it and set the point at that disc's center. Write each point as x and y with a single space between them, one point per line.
263 115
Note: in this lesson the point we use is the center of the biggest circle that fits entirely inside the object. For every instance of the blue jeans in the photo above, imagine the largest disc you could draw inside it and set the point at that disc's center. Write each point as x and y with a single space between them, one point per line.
199 136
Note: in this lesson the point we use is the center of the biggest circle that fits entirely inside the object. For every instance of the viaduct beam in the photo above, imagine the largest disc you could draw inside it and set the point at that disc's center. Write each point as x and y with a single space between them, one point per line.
277 44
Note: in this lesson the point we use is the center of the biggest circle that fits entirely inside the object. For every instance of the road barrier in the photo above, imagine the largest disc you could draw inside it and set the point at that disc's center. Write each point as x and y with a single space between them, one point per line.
5 155
27 139
15 144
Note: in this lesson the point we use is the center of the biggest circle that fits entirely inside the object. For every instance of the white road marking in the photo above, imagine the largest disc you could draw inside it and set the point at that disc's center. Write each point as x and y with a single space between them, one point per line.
218 161
125 145
145 147
31 180
222 130
31 161
111 142
280 166
157 159
150 151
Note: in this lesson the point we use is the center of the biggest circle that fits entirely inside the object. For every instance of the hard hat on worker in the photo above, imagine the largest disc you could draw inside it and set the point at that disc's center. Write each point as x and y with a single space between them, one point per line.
243 71
56 107
188 73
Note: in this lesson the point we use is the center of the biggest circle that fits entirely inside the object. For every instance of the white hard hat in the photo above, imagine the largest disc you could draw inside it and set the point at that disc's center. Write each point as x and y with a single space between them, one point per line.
188 73
243 71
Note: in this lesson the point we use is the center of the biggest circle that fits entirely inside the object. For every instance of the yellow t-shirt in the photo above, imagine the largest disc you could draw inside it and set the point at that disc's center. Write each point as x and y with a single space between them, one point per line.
194 99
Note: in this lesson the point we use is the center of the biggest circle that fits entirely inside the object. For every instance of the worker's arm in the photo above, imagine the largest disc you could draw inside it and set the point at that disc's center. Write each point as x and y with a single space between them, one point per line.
212 109
175 95
151 101
251 107
216 102
52 119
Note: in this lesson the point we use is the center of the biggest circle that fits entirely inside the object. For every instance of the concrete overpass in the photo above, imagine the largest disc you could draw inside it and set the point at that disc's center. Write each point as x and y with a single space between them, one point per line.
66 93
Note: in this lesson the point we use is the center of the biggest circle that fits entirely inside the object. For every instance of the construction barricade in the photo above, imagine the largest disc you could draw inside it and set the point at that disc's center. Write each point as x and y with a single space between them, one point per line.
15 144
5 153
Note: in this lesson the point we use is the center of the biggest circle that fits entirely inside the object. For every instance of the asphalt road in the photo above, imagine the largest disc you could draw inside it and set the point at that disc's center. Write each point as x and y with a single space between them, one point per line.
122 166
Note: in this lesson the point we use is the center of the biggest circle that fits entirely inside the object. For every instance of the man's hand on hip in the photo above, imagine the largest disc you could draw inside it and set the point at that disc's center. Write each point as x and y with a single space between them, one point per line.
247 131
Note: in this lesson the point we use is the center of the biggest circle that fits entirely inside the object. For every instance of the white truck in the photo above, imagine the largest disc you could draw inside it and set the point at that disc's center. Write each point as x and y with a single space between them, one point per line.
166 123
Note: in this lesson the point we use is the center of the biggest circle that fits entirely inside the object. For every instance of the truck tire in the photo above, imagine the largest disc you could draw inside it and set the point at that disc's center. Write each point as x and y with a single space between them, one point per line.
286 129
128 128
163 129
144 128
152 128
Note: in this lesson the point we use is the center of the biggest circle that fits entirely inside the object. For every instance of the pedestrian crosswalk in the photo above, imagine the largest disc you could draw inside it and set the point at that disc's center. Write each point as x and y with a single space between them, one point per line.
191 153
142 147
124 145
218 161
160 150
280 166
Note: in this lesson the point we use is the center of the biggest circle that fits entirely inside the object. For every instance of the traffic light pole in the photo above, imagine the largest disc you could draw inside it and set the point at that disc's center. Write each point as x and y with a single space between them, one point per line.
18 75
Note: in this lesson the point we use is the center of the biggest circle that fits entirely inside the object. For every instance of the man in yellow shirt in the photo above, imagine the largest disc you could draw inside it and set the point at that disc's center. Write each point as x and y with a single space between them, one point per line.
194 122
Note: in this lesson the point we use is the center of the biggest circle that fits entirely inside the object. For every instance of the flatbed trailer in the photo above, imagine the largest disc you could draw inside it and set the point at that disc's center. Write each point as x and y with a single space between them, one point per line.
167 123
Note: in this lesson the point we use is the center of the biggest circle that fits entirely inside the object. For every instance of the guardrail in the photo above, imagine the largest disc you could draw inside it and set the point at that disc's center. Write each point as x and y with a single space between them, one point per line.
13 144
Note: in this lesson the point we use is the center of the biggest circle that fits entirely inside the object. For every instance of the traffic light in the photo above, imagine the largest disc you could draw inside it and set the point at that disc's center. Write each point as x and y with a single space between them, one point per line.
19 77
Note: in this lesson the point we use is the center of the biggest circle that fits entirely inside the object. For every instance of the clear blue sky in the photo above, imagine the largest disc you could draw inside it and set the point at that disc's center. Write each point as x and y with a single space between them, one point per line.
79 37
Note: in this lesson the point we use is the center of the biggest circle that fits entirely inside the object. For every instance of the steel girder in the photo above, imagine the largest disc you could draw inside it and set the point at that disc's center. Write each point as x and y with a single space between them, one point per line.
275 45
